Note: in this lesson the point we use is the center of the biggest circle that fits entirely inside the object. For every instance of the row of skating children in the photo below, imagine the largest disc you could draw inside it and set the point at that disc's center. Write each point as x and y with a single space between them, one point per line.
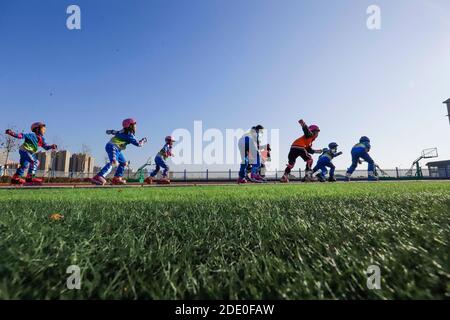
114 148
120 140
249 147
303 147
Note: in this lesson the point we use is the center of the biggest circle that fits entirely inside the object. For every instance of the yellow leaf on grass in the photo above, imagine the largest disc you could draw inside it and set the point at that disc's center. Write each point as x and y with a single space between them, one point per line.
56 216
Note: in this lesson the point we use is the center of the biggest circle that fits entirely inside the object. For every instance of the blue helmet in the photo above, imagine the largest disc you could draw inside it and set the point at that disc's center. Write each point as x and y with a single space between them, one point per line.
333 145
364 139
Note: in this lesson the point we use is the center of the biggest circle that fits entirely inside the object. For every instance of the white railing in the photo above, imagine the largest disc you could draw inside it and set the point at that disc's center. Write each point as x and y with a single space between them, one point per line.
208 175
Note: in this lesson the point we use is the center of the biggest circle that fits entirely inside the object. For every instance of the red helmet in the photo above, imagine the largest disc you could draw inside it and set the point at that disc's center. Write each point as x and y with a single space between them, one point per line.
37 125
170 139
128 123
314 128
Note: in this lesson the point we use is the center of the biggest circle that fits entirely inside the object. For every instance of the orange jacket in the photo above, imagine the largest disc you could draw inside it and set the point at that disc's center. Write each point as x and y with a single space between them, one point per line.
304 142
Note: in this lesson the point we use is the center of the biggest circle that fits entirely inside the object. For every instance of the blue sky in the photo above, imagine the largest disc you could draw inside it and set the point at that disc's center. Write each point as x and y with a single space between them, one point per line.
231 64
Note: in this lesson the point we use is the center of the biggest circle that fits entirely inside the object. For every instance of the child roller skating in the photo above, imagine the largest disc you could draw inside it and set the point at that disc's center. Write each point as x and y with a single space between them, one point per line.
27 153
326 161
160 161
361 151
114 149
249 148
302 147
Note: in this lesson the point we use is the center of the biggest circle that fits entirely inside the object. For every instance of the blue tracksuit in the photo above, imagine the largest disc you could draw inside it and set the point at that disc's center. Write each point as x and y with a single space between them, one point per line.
326 160
27 160
160 160
114 150
361 151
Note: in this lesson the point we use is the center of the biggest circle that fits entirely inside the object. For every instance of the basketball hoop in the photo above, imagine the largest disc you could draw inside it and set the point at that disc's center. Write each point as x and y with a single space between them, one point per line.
426 154
430 153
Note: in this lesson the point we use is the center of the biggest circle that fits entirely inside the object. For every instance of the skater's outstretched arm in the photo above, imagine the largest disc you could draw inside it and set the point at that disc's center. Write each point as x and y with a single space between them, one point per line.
128 138
112 132
14 134
142 141
313 151
136 143
48 146
305 128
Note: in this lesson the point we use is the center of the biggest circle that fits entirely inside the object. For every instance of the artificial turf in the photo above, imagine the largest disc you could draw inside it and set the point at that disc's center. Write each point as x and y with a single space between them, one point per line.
303 241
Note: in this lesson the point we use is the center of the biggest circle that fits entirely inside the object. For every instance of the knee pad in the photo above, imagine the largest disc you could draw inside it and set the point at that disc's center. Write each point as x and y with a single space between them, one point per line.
290 166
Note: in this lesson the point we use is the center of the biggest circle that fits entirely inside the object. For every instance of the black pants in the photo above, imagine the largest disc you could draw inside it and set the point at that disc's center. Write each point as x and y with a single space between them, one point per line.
296 152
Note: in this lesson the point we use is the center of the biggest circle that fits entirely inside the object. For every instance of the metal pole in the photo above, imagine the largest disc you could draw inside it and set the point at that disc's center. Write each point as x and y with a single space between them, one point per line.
185 176
206 174
398 175
229 174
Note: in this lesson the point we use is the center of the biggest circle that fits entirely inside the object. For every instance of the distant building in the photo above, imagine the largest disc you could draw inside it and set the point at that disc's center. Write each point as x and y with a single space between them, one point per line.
10 165
81 163
62 161
45 161
91 164
2 158
439 169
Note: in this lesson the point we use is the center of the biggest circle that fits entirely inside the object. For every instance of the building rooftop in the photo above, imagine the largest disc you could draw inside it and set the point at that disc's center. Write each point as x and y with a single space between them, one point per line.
438 163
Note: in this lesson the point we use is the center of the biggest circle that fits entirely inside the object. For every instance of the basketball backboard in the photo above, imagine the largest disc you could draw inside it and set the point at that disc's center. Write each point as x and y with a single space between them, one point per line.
430 153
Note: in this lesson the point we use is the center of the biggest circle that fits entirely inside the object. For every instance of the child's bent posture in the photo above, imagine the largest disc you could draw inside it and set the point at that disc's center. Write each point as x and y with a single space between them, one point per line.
361 151
160 161
302 147
326 161
27 151
114 150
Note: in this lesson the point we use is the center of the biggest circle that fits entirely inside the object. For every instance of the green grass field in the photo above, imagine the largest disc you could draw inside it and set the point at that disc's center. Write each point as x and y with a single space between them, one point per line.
233 242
